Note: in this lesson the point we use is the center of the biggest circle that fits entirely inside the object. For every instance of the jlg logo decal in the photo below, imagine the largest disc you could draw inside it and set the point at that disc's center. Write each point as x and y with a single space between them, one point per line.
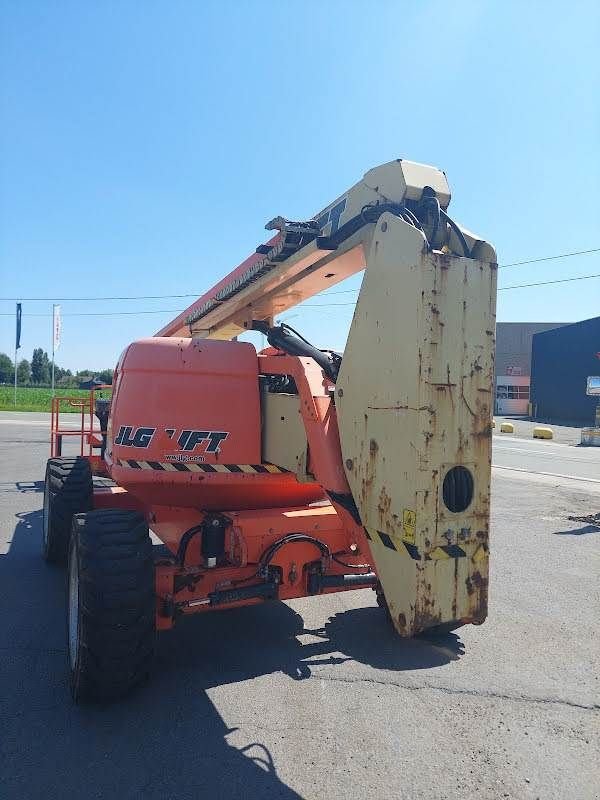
128 436
188 440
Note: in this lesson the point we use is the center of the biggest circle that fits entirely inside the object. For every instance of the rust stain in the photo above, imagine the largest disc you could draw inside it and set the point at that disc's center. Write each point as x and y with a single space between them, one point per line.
462 391
426 619
455 597
477 589
384 504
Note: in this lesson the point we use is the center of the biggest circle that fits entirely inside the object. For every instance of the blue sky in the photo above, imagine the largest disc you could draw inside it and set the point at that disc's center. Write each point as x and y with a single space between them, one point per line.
143 146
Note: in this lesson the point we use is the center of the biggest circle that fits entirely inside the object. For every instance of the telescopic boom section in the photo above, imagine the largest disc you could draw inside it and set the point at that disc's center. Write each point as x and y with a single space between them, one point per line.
305 258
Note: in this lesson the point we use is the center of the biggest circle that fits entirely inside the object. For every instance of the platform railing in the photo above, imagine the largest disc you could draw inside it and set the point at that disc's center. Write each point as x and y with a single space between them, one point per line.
90 438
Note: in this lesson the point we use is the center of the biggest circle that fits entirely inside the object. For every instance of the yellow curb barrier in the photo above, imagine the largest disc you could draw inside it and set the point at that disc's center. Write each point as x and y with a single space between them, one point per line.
507 427
541 432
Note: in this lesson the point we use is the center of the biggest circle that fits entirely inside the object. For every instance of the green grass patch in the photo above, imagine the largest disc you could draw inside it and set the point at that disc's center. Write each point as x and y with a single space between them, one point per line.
31 398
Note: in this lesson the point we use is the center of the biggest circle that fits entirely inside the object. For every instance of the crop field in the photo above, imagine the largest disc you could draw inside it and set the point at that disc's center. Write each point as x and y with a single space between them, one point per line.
31 398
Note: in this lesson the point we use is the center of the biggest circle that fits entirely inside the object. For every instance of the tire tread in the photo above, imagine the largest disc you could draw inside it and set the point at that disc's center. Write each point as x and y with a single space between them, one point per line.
71 492
117 603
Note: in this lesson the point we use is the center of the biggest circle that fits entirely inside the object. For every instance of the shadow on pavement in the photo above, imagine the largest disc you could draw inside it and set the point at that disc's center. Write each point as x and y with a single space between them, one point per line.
579 531
261 640
167 739
591 525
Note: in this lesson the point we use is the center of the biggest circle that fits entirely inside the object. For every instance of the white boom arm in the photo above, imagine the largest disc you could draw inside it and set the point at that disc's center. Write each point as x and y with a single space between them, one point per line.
303 259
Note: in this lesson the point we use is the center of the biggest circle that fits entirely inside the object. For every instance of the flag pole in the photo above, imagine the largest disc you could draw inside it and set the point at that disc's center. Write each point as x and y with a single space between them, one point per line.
17 342
56 331
53 342
15 373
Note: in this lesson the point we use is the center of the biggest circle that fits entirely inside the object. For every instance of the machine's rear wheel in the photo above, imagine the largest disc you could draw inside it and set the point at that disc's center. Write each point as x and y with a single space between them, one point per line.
110 615
68 490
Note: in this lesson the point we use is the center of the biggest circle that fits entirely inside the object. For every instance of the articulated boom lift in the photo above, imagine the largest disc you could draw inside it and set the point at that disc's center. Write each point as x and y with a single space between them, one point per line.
294 471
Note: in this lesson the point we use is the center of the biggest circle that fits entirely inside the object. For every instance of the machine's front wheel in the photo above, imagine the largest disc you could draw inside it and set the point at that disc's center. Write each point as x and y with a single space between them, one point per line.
110 609
68 490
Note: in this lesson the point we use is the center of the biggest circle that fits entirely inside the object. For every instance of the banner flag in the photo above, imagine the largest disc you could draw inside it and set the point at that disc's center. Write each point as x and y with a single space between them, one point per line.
56 327
18 337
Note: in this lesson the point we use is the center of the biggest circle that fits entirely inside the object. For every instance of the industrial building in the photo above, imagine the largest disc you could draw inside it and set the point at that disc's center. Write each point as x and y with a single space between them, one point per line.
561 361
513 364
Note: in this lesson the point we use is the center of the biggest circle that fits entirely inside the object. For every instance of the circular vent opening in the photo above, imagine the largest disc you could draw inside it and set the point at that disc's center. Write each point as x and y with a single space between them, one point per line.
457 489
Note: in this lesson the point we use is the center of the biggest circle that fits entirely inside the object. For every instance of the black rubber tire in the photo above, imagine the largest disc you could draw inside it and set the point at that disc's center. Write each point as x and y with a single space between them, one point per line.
68 490
112 649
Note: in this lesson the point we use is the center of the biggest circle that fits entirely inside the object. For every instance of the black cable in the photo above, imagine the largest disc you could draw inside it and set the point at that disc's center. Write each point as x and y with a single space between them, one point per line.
184 543
245 580
270 551
352 566
437 216
413 219
458 232
299 335
293 344
405 216
291 538
295 332
546 283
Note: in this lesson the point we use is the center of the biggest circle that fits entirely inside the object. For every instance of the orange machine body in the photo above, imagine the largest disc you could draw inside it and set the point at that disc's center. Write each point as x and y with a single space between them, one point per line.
186 428
183 441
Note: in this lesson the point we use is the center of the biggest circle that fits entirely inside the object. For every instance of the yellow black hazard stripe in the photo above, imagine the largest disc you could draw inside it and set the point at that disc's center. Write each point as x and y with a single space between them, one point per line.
194 466
411 549
447 551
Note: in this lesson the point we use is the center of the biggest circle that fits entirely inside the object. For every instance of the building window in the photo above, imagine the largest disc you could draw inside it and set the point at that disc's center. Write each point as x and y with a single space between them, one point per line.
512 392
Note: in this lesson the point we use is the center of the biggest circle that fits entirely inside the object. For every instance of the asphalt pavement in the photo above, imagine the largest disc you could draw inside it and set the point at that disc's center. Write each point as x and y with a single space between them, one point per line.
544 457
317 698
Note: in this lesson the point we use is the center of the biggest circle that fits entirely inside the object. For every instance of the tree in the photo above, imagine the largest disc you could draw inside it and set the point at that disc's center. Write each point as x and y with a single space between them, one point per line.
39 366
47 367
106 376
7 370
67 382
23 372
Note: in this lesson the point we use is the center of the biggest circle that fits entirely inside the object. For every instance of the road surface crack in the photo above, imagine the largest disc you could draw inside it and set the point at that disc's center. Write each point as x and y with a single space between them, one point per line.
468 692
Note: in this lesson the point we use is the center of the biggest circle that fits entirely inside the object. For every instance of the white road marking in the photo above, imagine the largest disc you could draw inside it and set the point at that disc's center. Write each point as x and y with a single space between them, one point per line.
38 423
553 456
501 437
548 474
